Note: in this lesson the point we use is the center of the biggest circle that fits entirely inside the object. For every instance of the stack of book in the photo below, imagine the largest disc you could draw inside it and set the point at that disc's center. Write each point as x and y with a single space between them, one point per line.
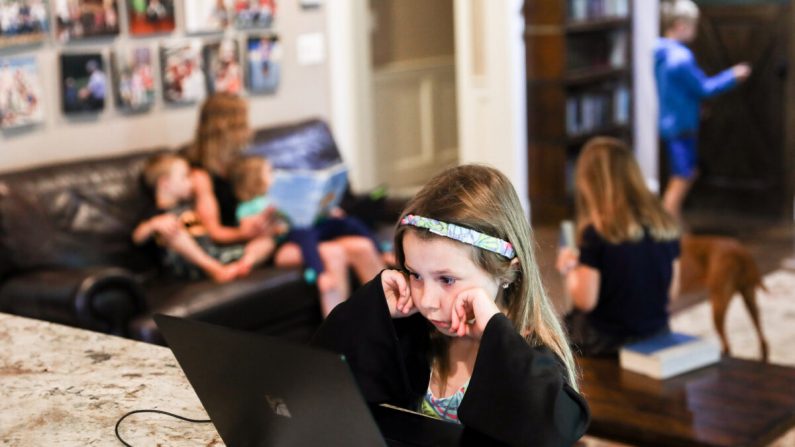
669 355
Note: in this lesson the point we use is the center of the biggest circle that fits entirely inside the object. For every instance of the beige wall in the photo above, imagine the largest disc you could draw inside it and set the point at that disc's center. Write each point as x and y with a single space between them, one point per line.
303 93
405 30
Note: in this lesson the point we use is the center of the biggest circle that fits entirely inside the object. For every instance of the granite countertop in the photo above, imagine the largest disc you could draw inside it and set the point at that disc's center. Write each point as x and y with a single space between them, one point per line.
68 386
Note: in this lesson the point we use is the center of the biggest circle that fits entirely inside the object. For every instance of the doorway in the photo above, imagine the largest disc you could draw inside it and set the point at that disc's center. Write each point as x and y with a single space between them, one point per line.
744 161
412 58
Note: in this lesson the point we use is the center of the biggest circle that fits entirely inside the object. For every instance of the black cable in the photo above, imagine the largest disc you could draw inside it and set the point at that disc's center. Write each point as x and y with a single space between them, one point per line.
198 421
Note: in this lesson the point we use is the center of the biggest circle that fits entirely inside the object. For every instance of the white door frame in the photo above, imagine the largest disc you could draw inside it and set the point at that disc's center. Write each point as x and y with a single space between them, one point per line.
645 29
351 122
492 97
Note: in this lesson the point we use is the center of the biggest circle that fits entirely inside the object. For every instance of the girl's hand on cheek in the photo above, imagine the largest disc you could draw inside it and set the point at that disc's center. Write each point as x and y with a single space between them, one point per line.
398 294
472 310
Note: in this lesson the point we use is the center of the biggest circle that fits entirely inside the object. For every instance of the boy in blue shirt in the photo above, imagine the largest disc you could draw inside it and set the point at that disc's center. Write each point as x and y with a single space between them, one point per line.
681 86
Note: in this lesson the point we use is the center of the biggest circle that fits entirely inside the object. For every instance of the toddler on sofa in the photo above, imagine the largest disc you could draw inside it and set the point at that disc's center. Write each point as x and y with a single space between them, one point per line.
187 250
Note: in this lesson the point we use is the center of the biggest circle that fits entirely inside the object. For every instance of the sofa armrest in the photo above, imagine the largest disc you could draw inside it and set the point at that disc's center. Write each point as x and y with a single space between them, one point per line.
102 298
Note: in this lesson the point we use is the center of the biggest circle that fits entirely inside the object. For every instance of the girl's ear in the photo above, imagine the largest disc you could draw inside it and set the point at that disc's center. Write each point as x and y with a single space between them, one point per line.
516 268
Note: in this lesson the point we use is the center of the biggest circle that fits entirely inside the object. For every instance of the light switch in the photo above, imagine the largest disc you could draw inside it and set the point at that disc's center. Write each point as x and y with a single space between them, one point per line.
311 49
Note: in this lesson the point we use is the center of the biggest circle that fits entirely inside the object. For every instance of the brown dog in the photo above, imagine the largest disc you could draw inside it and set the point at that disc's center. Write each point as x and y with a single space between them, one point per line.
724 267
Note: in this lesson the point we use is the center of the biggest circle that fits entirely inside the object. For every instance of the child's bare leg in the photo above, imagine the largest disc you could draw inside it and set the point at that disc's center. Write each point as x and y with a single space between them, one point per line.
330 296
184 244
333 283
389 258
289 255
256 251
363 256
675 194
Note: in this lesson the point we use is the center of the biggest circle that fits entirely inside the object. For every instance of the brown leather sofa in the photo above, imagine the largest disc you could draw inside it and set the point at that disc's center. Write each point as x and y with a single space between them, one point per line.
66 255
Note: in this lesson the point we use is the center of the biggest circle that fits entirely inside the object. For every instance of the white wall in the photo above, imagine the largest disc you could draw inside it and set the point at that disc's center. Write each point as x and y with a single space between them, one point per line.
303 93
645 31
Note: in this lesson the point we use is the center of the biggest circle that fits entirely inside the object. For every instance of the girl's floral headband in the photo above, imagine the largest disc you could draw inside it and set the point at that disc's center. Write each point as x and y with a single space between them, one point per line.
461 234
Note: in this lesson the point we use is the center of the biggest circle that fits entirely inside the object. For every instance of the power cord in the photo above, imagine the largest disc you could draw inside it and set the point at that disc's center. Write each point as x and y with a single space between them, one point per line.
197 421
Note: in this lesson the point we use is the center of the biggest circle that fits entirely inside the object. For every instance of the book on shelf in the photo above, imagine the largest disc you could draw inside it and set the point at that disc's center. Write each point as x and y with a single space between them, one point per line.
604 50
669 355
579 10
590 110
304 195
618 49
621 105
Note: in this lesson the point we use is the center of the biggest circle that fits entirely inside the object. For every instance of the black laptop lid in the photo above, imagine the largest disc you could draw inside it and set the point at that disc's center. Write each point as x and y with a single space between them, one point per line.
261 391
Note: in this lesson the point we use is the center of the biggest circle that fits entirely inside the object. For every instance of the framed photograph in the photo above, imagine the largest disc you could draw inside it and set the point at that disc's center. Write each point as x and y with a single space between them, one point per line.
207 16
83 82
148 17
254 13
82 19
23 22
263 63
133 79
222 67
183 79
21 92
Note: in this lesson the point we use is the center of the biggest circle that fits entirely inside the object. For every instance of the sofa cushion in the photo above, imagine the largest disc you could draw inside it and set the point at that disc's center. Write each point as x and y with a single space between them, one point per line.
304 145
73 215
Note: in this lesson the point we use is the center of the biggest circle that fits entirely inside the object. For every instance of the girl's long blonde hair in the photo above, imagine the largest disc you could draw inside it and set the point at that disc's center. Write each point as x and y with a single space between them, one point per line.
483 199
613 197
222 133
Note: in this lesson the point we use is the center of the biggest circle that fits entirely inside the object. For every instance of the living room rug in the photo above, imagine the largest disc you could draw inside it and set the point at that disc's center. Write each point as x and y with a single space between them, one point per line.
777 312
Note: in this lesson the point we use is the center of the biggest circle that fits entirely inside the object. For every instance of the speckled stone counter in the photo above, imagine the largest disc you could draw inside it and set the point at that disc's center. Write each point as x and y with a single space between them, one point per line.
67 386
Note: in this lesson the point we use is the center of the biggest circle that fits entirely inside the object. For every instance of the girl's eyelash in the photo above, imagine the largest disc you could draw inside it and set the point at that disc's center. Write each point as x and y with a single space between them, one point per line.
448 280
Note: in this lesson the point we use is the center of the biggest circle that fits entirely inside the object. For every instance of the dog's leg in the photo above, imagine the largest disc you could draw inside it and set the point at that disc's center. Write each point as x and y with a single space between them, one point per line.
720 304
749 298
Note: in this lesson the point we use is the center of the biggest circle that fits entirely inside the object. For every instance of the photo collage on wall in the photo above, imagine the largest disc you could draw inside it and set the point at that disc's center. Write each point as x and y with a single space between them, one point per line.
23 22
84 82
222 46
20 92
184 81
83 19
147 17
133 79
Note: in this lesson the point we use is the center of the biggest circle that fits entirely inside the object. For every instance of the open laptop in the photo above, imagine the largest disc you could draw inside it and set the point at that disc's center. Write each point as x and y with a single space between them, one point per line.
263 391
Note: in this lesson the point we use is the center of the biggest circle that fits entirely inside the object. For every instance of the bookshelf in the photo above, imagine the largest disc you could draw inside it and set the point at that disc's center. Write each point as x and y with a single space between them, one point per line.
579 85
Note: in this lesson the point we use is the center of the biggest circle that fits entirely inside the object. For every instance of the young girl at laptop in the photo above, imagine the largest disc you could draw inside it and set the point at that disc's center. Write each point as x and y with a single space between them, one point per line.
464 331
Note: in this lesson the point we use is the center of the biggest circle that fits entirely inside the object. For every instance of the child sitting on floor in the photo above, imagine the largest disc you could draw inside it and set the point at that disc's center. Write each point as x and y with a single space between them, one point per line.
626 267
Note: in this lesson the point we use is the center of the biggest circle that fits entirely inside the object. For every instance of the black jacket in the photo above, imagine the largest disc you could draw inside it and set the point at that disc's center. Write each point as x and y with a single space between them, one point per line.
518 394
